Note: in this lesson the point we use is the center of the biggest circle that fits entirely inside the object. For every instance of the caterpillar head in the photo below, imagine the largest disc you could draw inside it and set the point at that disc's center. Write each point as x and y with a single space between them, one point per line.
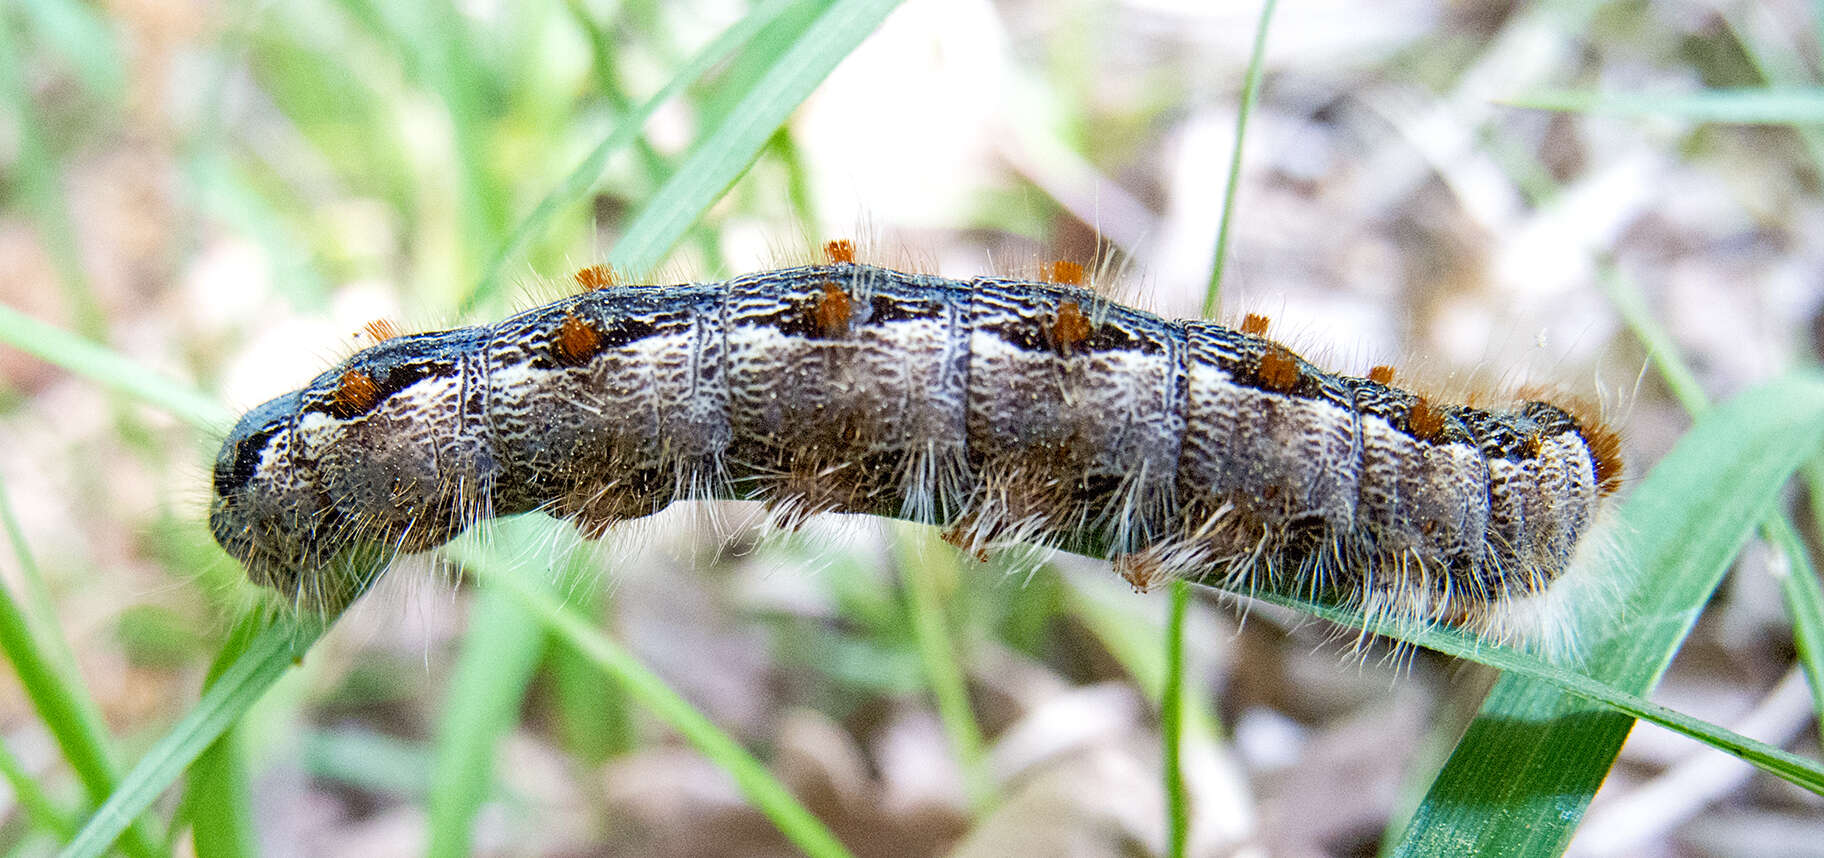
265 512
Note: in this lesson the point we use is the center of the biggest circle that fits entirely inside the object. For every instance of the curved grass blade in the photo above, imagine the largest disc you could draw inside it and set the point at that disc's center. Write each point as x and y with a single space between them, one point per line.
712 168
218 799
499 654
1799 583
1783 764
577 185
498 565
63 704
1525 771
1785 106
110 369
40 811
924 569
273 645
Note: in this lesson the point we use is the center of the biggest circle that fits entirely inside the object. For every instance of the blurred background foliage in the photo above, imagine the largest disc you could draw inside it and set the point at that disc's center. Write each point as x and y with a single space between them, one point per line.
224 193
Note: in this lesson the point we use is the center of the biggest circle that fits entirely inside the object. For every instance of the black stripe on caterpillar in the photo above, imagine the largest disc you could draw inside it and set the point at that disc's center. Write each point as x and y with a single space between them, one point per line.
1003 410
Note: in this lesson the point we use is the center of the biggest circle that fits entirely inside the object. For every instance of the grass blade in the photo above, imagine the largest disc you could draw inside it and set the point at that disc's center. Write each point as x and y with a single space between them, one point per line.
1171 724
712 168
495 564
110 369
499 654
1804 602
273 646
40 811
1784 106
576 187
218 800
62 703
1250 93
1523 774
926 566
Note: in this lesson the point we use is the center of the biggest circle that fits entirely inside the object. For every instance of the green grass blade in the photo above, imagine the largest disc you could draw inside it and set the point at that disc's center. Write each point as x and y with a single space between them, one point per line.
576 187
714 165
500 652
40 811
492 565
1519 781
218 799
273 647
35 180
57 649
110 369
927 568
1171 703
1799 584
1171 724
1783 764
1805 602
1785 106
436 47
594 716
1250 93
59 697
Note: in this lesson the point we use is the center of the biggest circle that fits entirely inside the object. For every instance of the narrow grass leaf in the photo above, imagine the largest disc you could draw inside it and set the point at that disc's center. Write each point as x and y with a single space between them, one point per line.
1782 764
1785 106
1171 724
1805 603
40 811
1250 93
1519 781
760 787
62 702
218 799
273 646
575 188
499 653
714 165
594 717
1172 705
110 369
927 567
1799 584
34 179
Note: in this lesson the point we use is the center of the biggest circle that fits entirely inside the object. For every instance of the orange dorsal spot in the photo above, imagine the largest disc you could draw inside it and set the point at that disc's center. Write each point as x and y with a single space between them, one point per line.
1425 421
381 330
597 277
1062 272
356 392
1382 374
832 312
1070 329
839 251
577 341
1278 370
1255 325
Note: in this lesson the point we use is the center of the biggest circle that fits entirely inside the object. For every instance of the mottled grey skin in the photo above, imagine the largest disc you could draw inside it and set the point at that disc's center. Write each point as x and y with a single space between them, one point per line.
964 403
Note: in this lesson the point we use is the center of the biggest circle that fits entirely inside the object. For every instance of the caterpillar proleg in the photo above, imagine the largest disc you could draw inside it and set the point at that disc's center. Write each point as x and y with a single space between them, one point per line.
1002 410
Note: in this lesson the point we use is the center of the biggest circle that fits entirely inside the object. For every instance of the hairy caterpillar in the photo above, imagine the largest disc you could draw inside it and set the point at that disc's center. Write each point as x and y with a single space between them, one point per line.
1004 410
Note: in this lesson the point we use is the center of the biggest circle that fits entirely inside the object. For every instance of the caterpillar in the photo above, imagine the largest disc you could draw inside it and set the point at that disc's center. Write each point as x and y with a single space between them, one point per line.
1002 410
